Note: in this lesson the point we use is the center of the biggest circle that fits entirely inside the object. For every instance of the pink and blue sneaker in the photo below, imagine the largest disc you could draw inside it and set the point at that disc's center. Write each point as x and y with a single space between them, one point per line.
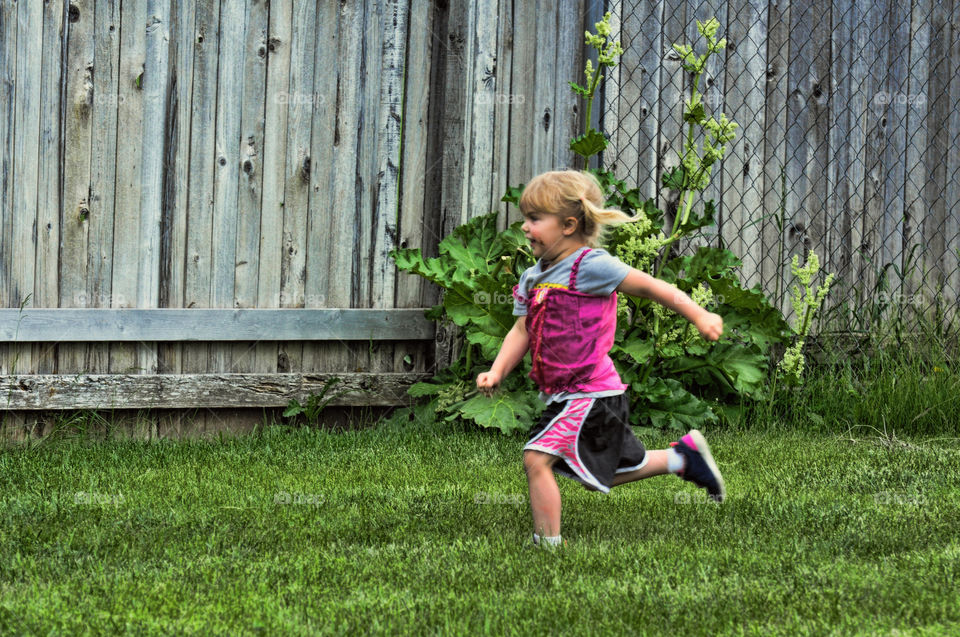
699 467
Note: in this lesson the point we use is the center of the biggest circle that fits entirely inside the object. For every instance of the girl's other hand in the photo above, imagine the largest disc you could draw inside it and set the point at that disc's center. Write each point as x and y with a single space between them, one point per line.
710 326
487 382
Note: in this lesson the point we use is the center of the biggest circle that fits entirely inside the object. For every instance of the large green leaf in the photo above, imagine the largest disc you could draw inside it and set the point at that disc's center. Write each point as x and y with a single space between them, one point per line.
668 405
506 411
749 314
588 144
706 263
638 349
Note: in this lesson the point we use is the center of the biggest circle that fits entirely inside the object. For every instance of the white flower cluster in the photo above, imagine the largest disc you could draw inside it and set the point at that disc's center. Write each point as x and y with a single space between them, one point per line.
637 250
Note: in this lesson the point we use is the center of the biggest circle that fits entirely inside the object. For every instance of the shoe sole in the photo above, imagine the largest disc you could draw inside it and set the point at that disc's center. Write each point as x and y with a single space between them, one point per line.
704 450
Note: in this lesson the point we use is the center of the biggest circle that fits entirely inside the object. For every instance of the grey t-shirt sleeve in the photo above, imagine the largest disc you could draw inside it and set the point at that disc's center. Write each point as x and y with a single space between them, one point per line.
520 309
600 273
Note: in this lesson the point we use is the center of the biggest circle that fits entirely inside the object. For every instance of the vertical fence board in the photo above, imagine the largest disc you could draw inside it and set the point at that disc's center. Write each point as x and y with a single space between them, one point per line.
672 131
508 96
413 167
873 34
938 143
387 217
640 92
842 153
198 271
26 146
279 43
173 246
322 237
896 88
481 106
155 137
775 149
336 233
371 36
743 170
250 175
77 178
174 236
951 229
523 113
608 98
103 168
8 70
569 65
916 141
804 147
129 174
230 91
296 199
545 92
46 290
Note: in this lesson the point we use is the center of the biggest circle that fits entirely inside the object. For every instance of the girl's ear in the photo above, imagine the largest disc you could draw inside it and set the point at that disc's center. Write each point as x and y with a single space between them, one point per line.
571 224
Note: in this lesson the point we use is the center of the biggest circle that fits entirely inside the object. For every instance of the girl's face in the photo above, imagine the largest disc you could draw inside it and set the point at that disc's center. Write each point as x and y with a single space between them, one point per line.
546 236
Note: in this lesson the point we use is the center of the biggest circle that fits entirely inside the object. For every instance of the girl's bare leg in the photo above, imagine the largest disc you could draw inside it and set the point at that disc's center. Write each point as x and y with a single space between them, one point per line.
656 466
544 493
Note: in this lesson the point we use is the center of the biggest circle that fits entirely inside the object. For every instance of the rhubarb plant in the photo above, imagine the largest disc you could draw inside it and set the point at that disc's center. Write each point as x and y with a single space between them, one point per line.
677 380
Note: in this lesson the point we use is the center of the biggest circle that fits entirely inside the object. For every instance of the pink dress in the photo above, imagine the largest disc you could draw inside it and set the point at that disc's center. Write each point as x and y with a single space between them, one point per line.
570 335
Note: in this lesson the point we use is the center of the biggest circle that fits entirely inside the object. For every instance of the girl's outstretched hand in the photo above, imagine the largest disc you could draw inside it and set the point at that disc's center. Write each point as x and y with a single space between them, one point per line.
487 382
710 326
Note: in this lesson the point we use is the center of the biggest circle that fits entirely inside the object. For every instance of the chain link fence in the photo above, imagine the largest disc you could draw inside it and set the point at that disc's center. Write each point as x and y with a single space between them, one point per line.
849 116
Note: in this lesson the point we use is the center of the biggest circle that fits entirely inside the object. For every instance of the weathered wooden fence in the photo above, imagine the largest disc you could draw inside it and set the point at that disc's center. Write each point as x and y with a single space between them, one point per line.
849 139
258 160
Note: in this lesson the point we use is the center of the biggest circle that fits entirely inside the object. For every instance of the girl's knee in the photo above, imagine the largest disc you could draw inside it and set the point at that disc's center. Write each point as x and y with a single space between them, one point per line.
537 461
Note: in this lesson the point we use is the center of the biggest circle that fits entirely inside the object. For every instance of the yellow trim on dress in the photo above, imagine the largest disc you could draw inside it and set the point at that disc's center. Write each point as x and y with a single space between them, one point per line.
549 285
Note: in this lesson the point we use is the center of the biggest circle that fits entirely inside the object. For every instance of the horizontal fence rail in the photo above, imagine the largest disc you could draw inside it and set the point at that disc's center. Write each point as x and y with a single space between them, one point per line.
188 391
33 325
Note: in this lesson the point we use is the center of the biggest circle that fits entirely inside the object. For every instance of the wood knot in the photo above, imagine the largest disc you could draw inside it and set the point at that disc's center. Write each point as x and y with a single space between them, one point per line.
74 14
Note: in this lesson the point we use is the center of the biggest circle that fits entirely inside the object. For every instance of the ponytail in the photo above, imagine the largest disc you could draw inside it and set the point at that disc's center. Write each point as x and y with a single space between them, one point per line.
571 193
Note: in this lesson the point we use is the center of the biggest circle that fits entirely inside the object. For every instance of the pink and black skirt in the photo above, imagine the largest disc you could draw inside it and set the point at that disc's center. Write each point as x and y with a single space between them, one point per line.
592 439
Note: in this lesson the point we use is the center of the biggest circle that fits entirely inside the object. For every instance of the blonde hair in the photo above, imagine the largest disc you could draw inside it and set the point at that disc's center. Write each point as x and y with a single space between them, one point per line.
572 193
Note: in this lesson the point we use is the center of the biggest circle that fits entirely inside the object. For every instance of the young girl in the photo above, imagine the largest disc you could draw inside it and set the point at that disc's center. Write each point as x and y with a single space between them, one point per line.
567 309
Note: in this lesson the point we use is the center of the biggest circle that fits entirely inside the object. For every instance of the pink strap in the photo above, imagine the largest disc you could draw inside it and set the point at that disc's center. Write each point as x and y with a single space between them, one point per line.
575 268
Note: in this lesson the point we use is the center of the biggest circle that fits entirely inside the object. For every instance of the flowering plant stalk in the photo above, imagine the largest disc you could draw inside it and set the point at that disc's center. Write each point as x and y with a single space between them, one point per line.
805 303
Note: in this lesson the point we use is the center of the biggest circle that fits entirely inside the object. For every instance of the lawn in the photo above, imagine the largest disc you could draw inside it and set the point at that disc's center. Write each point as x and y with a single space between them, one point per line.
416 529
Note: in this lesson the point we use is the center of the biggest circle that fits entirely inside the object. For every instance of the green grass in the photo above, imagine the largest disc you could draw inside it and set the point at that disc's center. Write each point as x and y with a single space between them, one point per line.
407 529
